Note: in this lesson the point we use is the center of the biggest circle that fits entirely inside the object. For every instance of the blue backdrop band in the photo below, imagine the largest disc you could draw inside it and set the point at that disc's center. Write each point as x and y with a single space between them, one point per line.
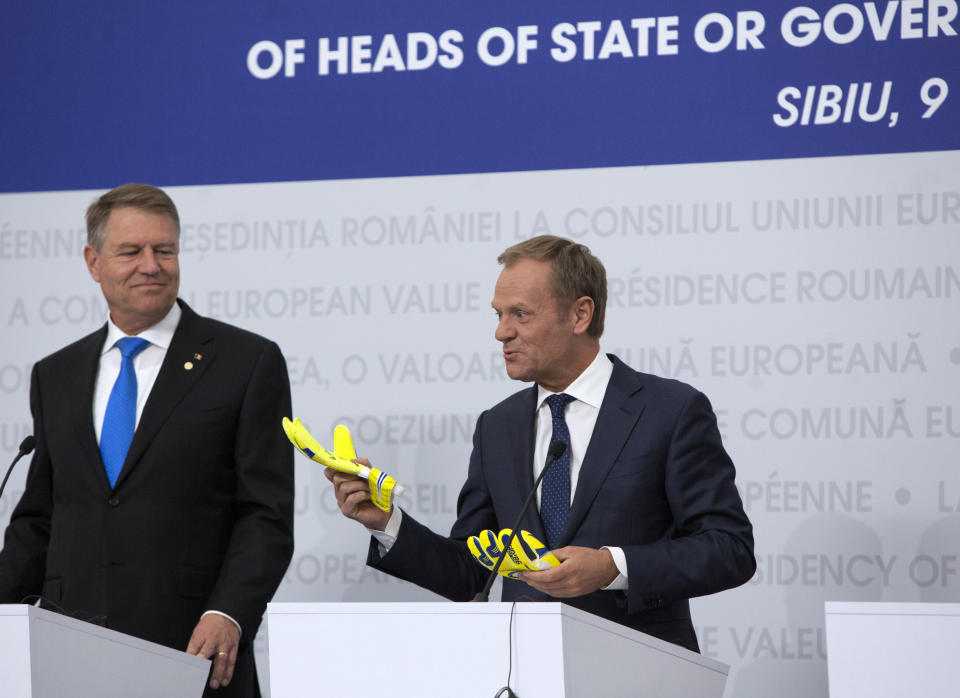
225 92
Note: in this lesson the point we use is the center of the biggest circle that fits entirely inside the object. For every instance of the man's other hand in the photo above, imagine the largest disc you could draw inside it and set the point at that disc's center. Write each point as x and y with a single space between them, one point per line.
216 637
581 571
353 498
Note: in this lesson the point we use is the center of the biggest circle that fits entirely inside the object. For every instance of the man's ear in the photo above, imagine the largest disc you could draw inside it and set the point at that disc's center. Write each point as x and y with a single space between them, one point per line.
583 311
92 258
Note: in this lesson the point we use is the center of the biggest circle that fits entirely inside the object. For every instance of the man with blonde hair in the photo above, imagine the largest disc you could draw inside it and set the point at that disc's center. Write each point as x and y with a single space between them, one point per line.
160 498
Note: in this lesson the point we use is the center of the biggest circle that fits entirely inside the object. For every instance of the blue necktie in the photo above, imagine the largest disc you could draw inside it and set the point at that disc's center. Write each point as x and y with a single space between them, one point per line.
121 414
555 490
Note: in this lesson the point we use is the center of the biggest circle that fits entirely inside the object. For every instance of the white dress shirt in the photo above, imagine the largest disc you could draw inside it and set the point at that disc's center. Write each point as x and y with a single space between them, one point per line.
581 413
146 365
581 416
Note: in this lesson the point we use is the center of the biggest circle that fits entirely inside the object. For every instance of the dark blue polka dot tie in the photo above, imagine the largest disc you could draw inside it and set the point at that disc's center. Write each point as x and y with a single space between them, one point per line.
121 415
555 490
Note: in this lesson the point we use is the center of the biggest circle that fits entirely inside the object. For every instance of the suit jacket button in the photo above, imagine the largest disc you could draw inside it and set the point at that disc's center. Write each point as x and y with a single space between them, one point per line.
113 501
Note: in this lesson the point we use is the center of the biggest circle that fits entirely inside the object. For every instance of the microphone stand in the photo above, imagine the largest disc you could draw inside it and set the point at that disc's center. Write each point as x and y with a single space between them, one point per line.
556 450
26 446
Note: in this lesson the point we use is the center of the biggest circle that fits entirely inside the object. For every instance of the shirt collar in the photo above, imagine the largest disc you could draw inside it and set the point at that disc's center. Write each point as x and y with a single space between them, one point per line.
589 386
159 335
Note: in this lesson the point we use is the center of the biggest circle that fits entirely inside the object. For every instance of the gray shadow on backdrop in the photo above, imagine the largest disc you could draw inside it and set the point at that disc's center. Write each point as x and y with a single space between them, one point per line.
772 673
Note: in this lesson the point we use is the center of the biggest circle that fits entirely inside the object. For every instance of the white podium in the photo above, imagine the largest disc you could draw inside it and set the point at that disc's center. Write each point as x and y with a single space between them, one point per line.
437 650
880 650
47 655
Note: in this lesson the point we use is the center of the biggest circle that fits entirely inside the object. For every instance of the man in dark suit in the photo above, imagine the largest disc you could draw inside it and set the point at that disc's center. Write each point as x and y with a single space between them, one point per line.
165 512
641 509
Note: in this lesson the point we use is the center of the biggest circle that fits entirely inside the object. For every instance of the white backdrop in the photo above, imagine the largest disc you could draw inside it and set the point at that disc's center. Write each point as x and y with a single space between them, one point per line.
814 301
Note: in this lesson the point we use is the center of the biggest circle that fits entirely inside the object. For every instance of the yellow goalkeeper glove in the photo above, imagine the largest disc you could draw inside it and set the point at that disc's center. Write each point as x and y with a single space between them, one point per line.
526 552
382 486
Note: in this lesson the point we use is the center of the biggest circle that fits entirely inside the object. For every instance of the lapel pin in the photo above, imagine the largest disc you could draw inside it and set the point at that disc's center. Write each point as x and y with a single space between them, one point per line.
188 365
198 357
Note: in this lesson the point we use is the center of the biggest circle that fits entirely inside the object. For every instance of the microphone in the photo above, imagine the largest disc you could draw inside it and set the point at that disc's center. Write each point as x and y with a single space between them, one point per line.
26 446
557 449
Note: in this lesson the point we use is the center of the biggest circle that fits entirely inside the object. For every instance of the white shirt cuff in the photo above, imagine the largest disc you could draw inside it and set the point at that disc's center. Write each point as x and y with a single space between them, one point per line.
620 560
221 613
388 536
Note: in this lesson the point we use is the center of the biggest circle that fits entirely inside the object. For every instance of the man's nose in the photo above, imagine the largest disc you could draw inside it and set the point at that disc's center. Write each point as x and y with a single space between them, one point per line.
504 330
148 262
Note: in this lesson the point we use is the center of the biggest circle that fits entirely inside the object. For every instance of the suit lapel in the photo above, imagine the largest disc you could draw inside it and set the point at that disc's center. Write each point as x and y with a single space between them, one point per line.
623 403
81 383
190 346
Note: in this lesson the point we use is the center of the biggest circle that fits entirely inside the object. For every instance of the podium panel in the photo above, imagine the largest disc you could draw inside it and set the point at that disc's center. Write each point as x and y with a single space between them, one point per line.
47 655
427 650
881 650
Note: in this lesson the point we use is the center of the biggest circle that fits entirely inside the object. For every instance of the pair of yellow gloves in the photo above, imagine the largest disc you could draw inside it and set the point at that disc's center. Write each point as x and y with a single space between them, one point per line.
525 553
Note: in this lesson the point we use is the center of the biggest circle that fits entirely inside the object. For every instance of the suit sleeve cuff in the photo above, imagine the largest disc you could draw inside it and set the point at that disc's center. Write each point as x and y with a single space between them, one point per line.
620 560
